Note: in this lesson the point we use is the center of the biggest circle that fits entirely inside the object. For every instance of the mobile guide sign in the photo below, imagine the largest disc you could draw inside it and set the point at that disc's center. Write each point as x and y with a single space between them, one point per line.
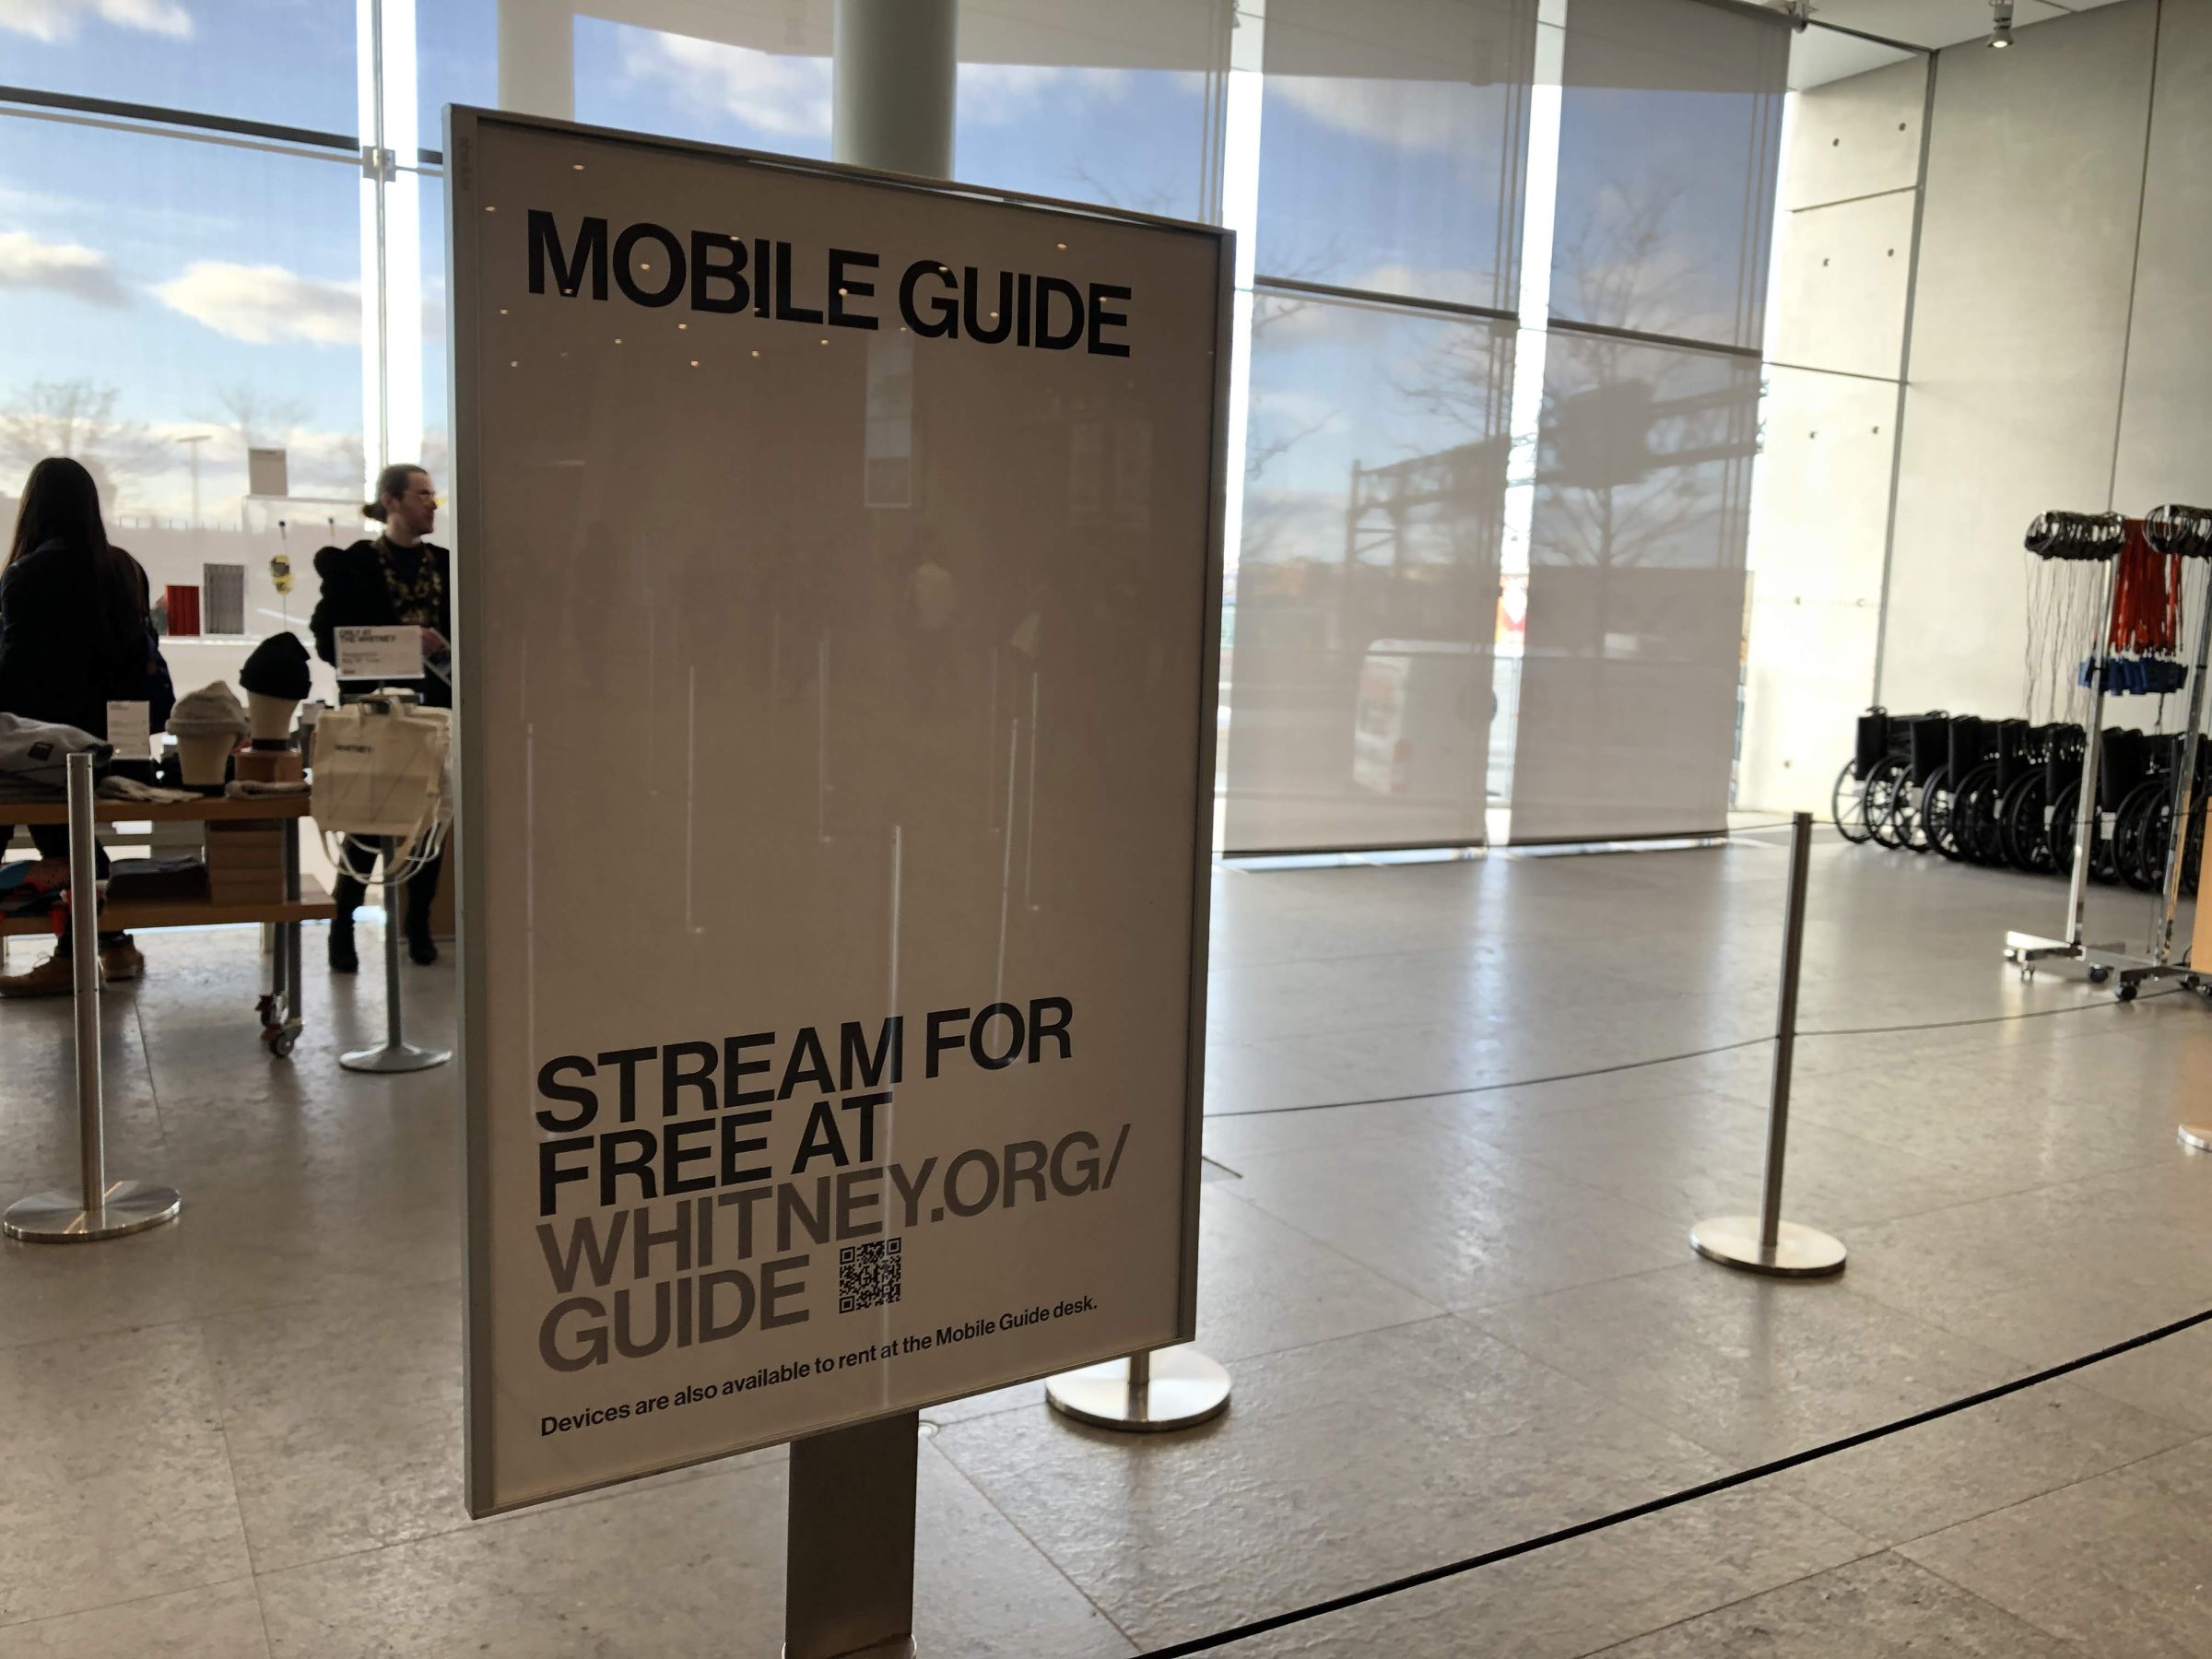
838 603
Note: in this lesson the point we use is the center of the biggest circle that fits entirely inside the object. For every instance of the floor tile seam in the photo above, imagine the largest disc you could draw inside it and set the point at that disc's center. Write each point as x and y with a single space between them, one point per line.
2189 1437
1386 1277
222 1427
2017 1614
2034 1362
1822 1116
127 1601
536 1512
1296 1348
1727 1458
1999 1197
1687 1618
1044 1555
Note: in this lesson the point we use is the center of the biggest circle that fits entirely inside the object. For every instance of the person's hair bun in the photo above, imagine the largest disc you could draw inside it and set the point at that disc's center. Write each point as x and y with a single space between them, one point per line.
374 510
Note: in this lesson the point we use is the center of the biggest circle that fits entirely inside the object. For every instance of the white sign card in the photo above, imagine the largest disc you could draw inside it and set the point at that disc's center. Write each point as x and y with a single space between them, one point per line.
379 654
130 729
834 845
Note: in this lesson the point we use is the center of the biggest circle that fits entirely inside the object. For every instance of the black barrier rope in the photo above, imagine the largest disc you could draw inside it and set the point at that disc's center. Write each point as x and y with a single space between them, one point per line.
1490 1558
1628 1065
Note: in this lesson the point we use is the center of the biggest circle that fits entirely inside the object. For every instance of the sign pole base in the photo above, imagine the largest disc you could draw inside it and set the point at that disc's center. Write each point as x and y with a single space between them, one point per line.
849 1576
2197 1138
126 1207
1145 1393
1796 1252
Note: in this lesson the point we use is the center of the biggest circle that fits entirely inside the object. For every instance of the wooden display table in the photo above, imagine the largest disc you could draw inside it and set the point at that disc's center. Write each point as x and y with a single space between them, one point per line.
277 1007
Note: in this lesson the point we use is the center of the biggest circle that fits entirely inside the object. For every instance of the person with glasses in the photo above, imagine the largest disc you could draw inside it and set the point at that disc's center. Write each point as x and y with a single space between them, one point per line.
401 578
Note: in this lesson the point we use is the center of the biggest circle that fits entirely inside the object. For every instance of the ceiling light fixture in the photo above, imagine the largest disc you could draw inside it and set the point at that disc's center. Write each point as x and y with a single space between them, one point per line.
2000 22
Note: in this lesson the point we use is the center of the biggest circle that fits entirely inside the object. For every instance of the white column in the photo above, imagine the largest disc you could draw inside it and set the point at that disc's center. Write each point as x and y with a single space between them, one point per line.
538 57
895 76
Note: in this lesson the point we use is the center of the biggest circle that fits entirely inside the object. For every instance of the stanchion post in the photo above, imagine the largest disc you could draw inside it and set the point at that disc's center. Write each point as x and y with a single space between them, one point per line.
1766 1243
1146 1394
395 1054
99 1208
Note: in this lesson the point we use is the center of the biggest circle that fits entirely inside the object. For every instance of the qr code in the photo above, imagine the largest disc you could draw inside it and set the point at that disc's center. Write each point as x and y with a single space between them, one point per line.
867 1276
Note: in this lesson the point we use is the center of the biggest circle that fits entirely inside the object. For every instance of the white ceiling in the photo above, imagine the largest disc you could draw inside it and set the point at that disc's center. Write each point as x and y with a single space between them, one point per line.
1937 22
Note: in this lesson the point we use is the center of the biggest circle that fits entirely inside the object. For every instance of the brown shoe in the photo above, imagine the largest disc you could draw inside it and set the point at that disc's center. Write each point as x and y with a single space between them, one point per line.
120 963
56 976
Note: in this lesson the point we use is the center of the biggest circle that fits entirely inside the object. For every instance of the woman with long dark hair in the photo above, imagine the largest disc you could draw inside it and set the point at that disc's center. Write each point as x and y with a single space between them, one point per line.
74 636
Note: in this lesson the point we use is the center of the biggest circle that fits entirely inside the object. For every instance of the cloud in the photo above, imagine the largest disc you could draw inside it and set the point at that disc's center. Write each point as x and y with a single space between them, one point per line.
1001 94
786 96
54 21
63 267
1412 114
262 304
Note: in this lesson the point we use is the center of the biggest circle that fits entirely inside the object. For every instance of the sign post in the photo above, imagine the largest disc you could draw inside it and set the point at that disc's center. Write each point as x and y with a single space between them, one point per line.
786 1112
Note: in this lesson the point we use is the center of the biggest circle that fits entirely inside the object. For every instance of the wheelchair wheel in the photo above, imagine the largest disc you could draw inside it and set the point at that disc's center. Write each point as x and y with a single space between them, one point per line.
2139 836
2021 830
1847 805
1886 793
1931 822
1974 826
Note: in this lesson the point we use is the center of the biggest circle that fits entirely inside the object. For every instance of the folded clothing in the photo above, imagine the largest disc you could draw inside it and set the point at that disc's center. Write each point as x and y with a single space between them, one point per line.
32 887
113 788
147 880
34 758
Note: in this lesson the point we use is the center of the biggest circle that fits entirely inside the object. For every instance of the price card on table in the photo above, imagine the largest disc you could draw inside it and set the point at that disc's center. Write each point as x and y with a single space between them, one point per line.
379 654
130 729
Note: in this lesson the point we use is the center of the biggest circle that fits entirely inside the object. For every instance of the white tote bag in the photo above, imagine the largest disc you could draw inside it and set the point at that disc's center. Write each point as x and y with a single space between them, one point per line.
380 769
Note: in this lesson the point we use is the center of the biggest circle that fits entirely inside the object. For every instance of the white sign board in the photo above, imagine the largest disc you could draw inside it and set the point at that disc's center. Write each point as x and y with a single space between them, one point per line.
130 729
833 847
379 654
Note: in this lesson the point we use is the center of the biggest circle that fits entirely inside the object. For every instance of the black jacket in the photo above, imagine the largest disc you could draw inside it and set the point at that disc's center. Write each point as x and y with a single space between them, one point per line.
355 596
60 657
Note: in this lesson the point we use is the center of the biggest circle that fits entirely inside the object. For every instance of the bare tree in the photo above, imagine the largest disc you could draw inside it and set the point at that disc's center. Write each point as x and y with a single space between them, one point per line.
77 418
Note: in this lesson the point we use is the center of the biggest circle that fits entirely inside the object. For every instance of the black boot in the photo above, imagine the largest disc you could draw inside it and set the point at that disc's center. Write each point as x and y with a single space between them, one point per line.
423 949
346 895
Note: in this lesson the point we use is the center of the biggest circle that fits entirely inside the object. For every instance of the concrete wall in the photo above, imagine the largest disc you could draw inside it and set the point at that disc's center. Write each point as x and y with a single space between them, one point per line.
1837 310
2020 339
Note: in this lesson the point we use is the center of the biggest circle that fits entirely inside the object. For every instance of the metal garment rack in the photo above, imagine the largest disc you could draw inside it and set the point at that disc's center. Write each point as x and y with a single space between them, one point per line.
2175 531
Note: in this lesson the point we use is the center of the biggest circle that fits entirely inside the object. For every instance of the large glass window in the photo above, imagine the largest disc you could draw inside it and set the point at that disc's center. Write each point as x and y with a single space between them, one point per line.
1636 591
1670 125
171 304
1393 138
286 62
1367 582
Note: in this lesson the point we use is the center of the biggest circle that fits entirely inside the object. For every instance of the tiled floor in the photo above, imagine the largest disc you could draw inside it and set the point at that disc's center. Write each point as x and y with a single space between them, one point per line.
1457 1302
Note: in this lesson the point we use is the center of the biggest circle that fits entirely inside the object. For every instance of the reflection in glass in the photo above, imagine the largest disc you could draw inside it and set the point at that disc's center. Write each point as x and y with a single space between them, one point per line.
1670 125
1636 591
184 303
1133 139
1392 141
1366 603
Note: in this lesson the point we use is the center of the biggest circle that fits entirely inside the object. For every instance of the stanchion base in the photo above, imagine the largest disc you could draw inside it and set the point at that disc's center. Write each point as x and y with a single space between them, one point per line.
1186 1389
899 1647
394 1057
2197 1138
1798 1252
128 1206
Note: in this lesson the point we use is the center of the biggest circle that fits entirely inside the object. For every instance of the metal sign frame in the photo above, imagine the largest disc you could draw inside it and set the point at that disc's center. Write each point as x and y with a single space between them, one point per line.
464 227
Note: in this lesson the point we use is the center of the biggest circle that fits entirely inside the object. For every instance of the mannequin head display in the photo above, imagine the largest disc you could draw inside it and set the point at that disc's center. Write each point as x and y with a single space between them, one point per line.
208 725
275 680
